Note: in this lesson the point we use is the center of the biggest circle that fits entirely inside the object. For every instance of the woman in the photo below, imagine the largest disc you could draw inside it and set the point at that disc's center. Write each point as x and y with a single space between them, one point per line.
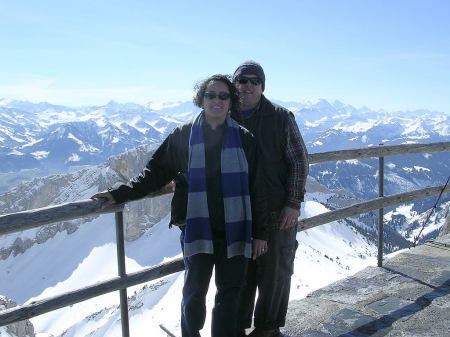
215 163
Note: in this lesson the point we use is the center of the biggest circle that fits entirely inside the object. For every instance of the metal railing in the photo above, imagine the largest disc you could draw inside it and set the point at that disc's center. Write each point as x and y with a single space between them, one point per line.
20 221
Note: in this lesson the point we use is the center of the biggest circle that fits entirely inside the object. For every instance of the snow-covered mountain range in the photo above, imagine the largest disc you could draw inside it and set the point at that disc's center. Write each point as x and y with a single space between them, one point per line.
40 139
93 147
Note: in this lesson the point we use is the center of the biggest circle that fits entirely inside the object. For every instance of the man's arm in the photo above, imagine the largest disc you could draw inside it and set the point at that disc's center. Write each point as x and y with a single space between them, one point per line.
298 168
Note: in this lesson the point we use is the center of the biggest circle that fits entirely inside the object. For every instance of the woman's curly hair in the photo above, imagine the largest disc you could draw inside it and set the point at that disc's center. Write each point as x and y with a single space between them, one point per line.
200 89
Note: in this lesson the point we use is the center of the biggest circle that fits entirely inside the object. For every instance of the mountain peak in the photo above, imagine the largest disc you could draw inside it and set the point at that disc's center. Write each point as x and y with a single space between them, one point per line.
320 102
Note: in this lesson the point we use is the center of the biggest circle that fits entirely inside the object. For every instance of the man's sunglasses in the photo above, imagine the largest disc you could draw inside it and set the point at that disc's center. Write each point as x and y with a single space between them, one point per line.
212 94
245 80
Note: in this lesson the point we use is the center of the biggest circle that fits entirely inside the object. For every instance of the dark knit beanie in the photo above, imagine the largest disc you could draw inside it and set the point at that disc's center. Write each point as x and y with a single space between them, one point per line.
250 68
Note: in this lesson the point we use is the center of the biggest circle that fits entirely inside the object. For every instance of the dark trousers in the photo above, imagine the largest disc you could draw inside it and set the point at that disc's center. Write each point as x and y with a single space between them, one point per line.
271 275
229 278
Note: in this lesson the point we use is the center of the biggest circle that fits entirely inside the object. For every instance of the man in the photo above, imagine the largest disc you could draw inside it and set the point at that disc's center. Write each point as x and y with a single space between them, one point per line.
285 161
215 163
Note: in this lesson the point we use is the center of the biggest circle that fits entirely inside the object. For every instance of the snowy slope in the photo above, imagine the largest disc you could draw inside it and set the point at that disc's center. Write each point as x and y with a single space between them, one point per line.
325 254
69 261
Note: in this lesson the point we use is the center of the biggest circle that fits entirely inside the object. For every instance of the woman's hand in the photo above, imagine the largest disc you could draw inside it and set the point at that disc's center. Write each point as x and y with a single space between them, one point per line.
105 195
259 248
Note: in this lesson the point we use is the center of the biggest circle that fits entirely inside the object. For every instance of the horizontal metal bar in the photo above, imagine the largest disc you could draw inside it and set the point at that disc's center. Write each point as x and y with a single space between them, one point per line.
371 205
16 222
378 151
40 307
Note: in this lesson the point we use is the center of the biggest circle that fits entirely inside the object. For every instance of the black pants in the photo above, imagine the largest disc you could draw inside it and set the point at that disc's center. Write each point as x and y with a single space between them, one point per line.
229 277
271 274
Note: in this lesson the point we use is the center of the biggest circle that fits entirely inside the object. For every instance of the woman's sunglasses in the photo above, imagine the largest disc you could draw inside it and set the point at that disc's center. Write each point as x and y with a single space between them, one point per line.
212 94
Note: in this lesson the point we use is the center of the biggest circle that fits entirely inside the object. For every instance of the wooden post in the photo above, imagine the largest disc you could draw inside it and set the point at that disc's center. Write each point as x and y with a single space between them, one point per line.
122 273
380 211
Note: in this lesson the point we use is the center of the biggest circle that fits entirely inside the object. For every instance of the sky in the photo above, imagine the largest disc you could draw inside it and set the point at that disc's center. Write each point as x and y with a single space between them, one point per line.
385 54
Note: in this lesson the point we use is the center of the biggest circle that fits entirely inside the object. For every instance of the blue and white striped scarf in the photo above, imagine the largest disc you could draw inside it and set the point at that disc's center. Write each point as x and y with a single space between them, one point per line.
235 188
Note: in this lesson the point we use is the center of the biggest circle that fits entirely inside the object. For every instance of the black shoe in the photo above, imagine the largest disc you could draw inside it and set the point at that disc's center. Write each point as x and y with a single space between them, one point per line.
240 333
263 333
277 333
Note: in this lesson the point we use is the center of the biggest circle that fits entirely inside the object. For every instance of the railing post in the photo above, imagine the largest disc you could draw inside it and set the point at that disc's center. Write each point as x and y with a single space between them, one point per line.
380 211
122 272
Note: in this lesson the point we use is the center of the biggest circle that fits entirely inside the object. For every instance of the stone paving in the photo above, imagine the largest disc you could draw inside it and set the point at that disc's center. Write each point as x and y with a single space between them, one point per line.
409 296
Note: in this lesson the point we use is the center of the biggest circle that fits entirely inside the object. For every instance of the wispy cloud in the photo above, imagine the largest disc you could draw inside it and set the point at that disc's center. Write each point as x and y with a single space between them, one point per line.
43 91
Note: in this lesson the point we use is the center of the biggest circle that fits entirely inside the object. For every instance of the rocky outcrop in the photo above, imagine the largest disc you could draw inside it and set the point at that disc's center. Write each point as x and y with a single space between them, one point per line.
57 189
19 329
142 214
446 228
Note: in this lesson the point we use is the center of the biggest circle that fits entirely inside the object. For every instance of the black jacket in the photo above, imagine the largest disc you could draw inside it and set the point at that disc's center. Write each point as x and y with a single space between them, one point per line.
170 161
269 125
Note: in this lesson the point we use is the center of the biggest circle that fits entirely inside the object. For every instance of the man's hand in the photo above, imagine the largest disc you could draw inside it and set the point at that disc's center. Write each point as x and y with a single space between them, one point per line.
259 248
288 217
105 195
